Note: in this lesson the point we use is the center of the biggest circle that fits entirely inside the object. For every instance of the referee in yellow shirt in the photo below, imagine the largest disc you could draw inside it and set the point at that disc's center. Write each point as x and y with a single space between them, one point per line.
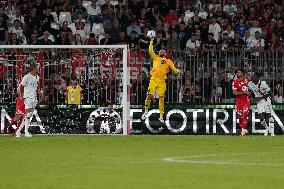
74 93
161 64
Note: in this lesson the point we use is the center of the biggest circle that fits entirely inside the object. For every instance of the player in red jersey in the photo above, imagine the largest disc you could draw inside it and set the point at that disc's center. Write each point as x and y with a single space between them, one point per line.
19 114
240 90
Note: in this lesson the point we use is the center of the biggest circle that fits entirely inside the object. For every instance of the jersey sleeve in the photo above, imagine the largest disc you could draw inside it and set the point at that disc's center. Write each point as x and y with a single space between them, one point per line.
234 85
265 87
151 50
172 66
24 80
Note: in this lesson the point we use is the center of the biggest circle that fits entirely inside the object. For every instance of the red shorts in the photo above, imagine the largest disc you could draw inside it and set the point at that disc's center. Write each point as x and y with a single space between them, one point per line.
242 106
20 107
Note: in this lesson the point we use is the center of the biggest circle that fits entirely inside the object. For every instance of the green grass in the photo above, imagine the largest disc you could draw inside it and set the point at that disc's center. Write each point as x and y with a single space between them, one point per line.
79 162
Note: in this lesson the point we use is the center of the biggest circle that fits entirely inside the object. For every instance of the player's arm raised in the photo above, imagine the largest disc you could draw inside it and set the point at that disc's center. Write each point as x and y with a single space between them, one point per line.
151 49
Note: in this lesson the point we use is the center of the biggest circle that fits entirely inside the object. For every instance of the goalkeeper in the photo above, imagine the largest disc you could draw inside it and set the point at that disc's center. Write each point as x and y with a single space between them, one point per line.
157 82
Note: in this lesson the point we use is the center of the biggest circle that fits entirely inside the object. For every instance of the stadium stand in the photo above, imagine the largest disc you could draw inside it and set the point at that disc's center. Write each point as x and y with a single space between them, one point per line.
208 39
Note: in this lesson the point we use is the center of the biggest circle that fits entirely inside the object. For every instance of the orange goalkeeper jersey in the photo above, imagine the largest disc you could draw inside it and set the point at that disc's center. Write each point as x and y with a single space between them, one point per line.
160 65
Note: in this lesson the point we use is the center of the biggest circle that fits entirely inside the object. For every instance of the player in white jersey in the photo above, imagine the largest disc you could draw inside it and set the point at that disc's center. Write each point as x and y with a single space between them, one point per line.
30 85
262 96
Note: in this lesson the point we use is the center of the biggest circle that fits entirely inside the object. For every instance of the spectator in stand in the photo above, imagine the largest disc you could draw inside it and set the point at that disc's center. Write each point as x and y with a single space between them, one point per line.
40 6
237 43
108 19
215 97
144 41
173 43
80 12
255 28
77 40
80 27
278 97
229 30
61 5
33 40
63 39
242 27
224 42
193 45
45 40
206 85
93 11
106 40
115 33
249 40
209 44
277 84
171 16
133 41
17 16
136 6
65 28
4 18
215 29
183 35
123 39
230 9
93 41
160 42
13 40
33 21
274 43
18 30
279 29
258 44
46 20
133 27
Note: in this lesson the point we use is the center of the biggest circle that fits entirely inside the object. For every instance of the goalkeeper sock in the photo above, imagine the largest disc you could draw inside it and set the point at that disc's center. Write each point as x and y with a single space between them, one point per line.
161 106
147 105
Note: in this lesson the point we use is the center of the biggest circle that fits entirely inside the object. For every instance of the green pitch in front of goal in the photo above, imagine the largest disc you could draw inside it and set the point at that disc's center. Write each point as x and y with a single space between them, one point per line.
124 162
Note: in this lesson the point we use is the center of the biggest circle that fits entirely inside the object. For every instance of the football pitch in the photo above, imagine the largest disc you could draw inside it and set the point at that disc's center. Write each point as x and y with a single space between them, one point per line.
143 162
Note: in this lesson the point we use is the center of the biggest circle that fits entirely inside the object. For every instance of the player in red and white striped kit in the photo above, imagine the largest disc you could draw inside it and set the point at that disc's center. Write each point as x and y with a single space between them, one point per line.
240 90
19 113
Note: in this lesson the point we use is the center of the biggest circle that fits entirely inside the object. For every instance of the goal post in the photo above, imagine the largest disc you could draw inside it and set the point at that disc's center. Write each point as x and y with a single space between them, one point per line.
108 58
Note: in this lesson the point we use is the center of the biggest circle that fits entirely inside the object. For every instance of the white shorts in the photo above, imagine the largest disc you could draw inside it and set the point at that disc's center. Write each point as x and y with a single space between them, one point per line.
264 106
30 103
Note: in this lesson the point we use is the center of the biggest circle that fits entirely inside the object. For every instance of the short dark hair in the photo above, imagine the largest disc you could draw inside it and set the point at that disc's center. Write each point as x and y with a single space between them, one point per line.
33 66
257 74
241 70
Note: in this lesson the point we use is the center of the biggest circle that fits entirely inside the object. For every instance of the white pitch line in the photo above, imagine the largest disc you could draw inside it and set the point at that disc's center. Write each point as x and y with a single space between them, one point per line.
189 159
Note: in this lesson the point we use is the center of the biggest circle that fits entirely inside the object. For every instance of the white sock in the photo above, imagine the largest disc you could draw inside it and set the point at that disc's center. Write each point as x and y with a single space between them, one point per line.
264 124
27 125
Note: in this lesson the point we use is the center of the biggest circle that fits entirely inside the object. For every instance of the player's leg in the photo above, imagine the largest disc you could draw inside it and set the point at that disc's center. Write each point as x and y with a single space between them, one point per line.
239 112
27 121
14 121
150 93
269 121
261 106
20 125
161 89
245 119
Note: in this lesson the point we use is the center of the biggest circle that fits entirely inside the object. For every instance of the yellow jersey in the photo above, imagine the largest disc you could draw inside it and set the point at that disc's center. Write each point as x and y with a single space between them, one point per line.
160 64
74 94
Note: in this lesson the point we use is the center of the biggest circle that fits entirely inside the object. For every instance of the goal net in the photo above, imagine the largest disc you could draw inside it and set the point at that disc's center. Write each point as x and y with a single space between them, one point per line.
101 71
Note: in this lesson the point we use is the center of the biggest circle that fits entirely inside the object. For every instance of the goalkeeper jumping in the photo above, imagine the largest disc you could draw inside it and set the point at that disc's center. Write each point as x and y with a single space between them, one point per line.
161 64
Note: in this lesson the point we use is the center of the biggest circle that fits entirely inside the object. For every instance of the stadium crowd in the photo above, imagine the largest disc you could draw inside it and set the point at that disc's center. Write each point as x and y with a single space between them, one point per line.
194 29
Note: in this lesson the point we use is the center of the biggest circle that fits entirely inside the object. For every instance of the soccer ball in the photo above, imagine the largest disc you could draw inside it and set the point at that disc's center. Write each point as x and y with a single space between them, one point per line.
151 34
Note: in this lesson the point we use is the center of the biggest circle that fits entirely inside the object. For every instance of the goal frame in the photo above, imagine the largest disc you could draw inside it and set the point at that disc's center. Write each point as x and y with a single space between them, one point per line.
126 74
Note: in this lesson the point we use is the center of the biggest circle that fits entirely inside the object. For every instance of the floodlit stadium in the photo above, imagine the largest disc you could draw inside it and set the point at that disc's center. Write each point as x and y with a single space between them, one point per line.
141 94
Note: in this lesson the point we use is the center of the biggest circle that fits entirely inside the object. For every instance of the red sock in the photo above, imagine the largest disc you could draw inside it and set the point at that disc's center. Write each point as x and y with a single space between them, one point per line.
244 119
13 122
18 125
